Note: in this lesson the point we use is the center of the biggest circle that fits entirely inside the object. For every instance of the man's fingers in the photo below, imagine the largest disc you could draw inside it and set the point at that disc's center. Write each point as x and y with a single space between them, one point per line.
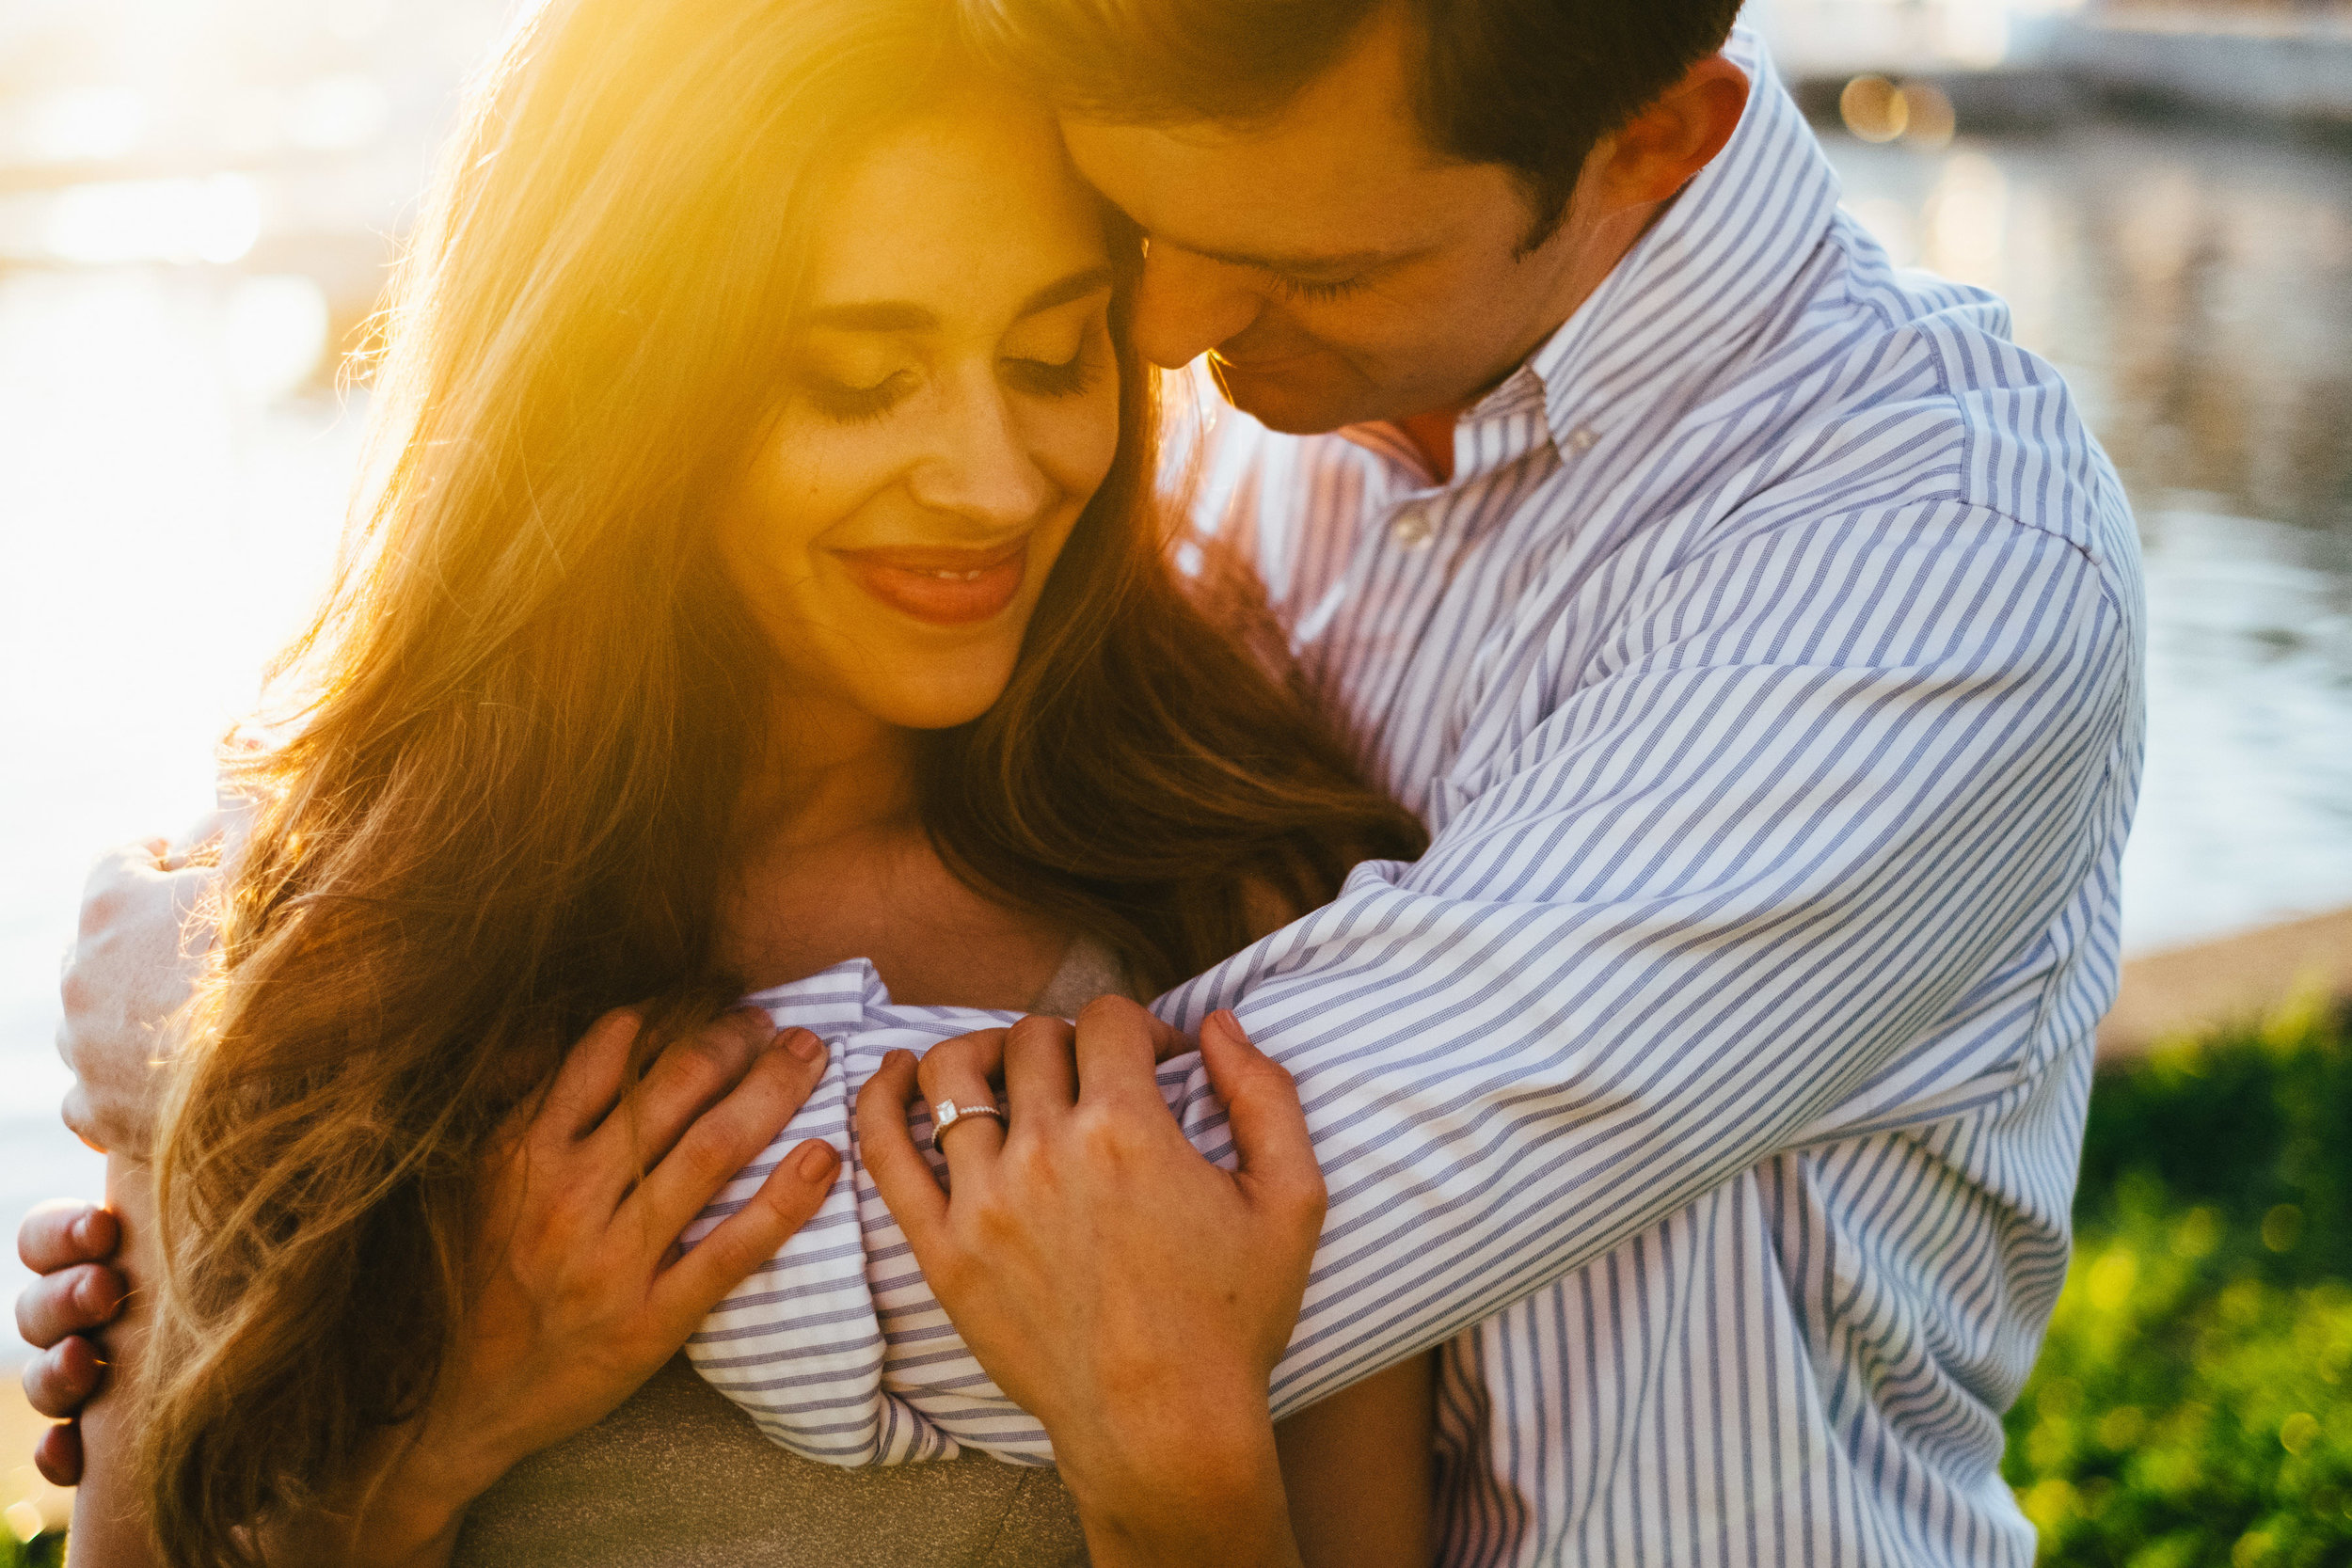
64 1231
122 867
1277 1157
1041 1070
80 1119
71 1301
61 1379
789 1199
886 1146
720 1142
1117 1049
953 1072
58 1455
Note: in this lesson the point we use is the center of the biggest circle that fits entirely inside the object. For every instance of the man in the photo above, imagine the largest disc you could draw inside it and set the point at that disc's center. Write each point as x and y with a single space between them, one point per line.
1756 628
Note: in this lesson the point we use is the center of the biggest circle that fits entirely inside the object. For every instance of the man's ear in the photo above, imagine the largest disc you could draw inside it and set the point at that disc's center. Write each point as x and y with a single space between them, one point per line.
1656 152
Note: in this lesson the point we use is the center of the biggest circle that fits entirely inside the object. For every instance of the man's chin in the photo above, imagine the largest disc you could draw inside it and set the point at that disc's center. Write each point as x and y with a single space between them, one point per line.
1283 405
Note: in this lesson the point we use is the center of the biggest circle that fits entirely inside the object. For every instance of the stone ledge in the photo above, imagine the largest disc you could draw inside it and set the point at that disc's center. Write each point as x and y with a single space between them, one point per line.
2230 980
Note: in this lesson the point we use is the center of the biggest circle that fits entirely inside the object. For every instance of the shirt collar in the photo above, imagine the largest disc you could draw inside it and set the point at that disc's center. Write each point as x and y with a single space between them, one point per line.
1708 274
1711 272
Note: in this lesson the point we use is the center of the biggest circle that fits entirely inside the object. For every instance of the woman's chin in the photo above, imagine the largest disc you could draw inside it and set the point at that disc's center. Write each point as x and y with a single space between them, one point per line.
941 703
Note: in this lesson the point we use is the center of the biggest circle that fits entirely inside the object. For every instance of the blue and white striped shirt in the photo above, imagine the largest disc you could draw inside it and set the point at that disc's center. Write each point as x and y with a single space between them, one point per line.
1711 1091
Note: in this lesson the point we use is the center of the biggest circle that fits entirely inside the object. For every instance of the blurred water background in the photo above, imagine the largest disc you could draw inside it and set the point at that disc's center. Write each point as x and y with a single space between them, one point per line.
197 199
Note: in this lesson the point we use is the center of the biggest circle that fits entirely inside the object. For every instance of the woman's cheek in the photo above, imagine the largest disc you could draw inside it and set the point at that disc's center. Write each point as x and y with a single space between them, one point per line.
1084 441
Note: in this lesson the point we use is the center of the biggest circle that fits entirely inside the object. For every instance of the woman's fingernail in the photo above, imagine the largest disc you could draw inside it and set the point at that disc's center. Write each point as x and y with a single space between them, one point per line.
815 1163
1226 1023
807 1047
897 1059
85 1231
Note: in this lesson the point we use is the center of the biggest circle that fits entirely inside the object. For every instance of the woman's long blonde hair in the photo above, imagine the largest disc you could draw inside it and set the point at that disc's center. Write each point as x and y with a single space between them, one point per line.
531 706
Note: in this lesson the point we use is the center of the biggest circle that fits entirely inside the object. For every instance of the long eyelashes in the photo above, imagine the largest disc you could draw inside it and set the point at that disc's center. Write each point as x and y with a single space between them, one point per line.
1041 379
1317 293
857 404
1036 377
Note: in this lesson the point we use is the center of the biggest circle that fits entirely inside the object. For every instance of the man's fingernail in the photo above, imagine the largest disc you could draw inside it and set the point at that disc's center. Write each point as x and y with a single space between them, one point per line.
807 1047
900 1057
815 1163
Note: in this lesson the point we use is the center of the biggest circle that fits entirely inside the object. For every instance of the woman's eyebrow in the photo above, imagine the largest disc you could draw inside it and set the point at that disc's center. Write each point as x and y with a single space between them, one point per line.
1077 286
898 315
881 315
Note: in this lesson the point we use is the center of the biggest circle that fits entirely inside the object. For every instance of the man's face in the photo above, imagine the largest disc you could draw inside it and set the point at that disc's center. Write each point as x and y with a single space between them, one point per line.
1339 268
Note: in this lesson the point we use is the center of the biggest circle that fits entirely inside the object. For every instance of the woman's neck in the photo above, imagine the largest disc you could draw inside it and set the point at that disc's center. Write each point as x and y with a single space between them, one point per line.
836 864
833 773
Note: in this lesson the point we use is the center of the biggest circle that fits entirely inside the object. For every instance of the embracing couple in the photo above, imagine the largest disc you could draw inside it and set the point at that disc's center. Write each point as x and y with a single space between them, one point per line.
1570 772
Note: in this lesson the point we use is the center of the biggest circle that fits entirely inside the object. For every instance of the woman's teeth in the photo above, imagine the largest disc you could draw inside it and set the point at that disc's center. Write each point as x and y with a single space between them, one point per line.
957 576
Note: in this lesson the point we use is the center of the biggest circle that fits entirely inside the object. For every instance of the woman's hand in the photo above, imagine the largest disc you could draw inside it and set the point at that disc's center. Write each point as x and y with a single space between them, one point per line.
1131 1296
580 1291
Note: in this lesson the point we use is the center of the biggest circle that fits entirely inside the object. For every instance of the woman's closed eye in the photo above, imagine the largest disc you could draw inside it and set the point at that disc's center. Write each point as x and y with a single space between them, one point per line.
851 404
1052 379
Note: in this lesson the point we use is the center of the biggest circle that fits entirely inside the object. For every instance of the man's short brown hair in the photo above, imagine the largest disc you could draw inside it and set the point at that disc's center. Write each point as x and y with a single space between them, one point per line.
1531 84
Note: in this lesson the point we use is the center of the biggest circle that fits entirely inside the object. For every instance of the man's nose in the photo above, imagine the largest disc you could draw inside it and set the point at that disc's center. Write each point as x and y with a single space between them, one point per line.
1188 305
980 466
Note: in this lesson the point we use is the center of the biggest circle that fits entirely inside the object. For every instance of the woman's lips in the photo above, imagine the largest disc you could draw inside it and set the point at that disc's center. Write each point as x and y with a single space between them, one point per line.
945 587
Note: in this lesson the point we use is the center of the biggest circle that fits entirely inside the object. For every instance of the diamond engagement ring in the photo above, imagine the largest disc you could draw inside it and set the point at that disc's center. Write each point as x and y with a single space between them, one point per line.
947 1113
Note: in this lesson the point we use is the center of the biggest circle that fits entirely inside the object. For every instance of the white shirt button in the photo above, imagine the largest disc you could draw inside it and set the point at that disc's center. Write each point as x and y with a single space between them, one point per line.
1582 437
1411 530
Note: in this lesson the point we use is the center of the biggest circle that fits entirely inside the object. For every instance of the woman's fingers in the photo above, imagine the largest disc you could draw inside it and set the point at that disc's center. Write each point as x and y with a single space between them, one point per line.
717 1144
58 1455
789 1199
1277 1156
953 1073
689 1077
1117 1050
886 1145
589 1084
1041 1070
61 1379
69 1301
64 1231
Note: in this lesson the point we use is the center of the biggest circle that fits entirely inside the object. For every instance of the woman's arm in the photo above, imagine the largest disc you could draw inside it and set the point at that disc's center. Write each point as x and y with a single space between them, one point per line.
1146 1354
579 1294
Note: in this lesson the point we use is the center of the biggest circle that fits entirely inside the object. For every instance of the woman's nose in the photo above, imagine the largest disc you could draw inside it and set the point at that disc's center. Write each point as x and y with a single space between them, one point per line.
1188 305
982 468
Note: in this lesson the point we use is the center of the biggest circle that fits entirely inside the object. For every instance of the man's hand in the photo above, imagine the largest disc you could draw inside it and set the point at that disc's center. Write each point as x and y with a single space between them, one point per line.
132 967
67 1243
1131 1296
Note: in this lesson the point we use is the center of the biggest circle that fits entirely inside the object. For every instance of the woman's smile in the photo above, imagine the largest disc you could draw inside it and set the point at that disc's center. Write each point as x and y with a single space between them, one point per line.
942 585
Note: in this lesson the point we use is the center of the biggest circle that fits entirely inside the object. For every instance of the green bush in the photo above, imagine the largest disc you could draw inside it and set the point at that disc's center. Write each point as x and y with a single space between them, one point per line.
2193 1404
42 1551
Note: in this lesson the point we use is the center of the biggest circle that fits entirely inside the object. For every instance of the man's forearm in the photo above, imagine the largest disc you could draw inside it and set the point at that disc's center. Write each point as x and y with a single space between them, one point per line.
1593 1002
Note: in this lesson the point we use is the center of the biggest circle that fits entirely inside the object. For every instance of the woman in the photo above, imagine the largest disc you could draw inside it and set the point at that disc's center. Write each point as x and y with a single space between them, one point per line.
758 573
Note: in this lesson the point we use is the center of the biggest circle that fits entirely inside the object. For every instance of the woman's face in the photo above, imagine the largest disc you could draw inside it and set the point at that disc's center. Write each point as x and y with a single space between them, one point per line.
951 406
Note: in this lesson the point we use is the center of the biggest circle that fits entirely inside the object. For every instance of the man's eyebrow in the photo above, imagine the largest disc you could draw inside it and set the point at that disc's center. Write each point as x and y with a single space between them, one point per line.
898 315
